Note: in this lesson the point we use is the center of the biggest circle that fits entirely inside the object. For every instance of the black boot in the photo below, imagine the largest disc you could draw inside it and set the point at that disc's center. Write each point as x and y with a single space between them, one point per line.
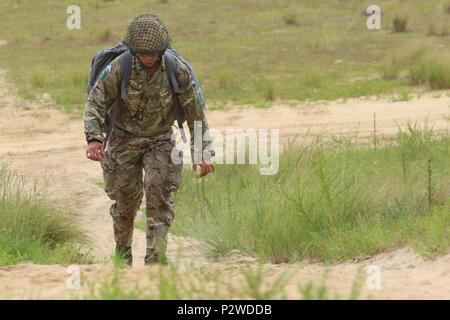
124 253
153 258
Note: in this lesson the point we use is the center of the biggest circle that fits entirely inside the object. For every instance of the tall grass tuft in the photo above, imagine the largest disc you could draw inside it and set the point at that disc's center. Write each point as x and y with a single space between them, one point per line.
32 229
432 70
400 24
290 19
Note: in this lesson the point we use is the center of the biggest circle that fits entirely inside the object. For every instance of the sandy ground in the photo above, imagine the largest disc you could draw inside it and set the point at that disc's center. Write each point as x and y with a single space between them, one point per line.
47 144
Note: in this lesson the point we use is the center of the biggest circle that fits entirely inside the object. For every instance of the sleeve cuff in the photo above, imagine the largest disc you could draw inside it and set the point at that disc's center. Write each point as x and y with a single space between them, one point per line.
99 138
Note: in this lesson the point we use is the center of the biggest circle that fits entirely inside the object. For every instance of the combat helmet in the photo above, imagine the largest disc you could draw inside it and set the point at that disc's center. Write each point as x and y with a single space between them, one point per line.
147 34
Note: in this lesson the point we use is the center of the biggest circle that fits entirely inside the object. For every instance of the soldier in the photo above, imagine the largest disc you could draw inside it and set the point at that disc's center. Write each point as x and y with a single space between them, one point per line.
138 154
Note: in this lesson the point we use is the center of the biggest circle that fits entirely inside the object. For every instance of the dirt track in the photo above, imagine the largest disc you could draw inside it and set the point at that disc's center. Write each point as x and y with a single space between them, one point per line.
47 144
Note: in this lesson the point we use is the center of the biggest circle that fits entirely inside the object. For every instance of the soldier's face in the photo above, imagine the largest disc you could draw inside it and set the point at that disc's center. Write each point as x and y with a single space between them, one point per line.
148 60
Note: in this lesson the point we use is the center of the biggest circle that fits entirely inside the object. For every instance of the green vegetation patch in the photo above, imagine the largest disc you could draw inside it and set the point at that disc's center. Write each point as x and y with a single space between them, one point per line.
328 202
33 230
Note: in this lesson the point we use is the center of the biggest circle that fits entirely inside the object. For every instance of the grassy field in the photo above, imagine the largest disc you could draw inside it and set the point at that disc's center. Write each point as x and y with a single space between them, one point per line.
327 203
244 51
32 229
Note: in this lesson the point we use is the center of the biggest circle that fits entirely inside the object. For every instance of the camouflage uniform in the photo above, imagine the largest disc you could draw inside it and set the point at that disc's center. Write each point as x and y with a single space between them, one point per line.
142 140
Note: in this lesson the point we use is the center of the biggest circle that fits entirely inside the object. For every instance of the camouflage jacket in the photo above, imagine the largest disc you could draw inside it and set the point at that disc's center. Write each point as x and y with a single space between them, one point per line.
147 110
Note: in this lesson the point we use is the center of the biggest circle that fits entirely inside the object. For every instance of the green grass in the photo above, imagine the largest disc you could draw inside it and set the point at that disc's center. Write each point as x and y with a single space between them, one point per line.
244 51
320 291
169 283
433 71
329 201
400 24
34 230
403 95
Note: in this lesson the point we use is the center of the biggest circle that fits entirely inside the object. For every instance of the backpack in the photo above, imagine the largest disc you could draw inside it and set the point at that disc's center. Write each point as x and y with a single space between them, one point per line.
104 57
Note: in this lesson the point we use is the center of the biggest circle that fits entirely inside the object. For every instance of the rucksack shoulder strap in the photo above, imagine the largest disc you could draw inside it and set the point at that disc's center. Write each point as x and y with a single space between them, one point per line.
126 61
171 71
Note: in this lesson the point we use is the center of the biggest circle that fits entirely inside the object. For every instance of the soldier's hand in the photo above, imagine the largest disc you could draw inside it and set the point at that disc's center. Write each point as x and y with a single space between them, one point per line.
205 168
94 150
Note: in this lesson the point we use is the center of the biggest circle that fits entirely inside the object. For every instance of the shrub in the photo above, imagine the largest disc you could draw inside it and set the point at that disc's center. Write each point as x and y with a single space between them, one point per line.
400 24
290 19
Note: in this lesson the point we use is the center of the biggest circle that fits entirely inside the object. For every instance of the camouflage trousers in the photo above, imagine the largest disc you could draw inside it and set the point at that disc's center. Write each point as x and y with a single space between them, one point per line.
134 165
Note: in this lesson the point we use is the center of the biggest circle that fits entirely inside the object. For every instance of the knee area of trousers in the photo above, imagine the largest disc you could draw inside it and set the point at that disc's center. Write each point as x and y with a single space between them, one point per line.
124 211
161 205
157 193
125 195
110 193
164 220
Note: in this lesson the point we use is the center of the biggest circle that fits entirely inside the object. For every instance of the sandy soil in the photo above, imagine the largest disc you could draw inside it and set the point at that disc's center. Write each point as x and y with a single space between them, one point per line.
47 144
353 119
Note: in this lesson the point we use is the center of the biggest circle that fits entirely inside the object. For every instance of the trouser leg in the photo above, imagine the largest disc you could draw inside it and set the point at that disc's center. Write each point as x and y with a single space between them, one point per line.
162 177
125 187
